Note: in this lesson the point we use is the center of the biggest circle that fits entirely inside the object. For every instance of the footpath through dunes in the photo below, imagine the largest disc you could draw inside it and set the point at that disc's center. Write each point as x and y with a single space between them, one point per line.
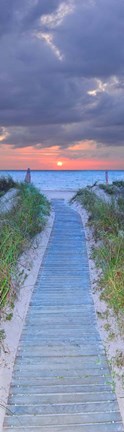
61 381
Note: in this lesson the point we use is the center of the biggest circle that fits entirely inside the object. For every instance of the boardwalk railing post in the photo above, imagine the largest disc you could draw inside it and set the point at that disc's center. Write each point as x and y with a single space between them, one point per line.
106 176
28 176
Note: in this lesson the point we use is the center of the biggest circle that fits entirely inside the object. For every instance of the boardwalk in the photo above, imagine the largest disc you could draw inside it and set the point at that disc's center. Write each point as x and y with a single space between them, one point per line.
61 380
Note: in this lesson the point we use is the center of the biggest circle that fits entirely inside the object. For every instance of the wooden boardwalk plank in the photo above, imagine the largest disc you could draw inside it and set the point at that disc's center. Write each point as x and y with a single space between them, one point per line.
61 380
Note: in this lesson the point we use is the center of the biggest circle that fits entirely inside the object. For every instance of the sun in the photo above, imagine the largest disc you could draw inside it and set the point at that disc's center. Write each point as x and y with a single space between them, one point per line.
59 163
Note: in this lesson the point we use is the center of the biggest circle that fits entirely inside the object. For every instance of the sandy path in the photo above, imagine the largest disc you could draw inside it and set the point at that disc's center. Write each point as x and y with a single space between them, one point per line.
31 262
59 194
60 343
112 346
14 327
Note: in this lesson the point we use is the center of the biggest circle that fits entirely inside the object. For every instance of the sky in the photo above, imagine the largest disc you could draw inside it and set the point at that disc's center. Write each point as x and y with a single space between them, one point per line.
62 84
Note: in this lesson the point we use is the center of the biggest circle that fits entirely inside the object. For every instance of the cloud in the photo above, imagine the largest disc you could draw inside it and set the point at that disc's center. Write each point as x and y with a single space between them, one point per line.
61 73
18 16
3 134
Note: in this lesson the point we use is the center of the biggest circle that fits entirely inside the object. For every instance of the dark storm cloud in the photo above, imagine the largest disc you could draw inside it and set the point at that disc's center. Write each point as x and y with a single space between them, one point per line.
56 75
6 15
93 38
23 13
38 9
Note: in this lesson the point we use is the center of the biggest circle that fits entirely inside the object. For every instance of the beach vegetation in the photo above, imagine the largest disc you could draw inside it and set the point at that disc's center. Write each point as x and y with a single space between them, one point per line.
26 219
121 203
108 188
119 359
6 183
2 335
107 327
108 227
118 183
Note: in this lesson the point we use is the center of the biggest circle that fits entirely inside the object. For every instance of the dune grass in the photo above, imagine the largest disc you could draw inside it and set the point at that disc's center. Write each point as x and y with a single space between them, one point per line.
6 183
114 188
121 203
17 227
108 224
118 183
109 189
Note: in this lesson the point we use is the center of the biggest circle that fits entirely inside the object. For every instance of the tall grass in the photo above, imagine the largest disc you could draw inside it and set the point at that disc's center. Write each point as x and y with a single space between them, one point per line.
17 227
114 188
118 183
6 183
109 189
121 203
108 223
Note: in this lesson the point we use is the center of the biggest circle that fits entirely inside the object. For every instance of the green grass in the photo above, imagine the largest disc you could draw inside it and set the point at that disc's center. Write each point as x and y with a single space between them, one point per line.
109 189
118 183
117 187
108 223
23 222
110 257
85 197
6 183
121 203
2 335
103 216
119 359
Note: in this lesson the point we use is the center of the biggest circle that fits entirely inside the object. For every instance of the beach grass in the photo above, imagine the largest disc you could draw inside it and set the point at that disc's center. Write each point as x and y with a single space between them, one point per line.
107 221
109 189
118 183
17 227
114 188
6 183
121 203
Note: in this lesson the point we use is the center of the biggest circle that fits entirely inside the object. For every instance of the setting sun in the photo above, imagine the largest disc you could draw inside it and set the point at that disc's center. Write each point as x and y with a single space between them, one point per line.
59 163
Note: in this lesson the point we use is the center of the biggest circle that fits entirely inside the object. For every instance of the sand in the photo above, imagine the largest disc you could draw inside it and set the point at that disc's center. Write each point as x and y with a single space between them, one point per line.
116 344
7 201
31 262
59 194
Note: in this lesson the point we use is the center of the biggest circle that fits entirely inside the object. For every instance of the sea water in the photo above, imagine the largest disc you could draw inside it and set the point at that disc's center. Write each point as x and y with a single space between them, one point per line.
64 180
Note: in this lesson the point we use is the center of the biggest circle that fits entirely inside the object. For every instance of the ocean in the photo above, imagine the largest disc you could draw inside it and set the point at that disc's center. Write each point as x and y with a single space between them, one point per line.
65 180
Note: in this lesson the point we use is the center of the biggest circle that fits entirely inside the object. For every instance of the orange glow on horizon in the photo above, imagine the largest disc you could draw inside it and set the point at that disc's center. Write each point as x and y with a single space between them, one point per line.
50 159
